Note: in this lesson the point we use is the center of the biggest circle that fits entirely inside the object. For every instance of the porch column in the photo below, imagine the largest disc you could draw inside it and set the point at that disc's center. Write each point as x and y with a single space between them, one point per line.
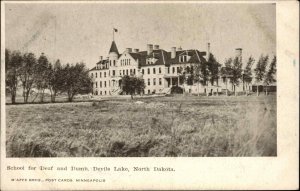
171 81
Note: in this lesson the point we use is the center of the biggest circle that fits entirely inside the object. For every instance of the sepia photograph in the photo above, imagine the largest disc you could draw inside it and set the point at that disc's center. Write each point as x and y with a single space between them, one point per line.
140 80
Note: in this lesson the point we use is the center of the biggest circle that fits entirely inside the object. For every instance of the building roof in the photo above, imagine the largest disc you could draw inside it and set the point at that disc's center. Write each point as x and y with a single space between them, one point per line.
113 48
162 57
101 62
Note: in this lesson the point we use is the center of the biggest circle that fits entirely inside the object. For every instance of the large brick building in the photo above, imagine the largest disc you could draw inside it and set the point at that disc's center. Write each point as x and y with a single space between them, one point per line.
159 68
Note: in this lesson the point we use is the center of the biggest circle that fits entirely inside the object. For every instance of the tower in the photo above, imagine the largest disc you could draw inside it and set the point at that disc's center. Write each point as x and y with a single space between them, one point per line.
113 54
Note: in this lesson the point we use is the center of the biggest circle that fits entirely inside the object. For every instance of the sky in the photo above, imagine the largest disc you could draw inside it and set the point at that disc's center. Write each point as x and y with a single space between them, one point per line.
78 32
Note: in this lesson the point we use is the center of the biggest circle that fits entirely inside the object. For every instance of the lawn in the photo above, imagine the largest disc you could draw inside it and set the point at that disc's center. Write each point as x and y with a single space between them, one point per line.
182 126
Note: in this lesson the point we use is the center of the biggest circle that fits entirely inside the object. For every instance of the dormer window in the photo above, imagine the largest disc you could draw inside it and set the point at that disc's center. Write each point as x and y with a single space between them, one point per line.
151 60
183 58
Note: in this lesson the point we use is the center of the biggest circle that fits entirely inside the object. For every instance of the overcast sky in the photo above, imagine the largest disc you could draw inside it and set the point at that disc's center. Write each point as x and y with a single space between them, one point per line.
83 32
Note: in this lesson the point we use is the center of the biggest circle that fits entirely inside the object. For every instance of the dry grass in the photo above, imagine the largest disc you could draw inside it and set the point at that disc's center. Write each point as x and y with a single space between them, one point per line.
162 126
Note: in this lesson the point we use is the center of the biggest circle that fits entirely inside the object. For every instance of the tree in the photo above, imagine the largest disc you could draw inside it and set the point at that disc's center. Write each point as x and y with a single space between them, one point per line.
270 76
131 85
56 79
27 73
247 75
226 71
42 73
260 70
201 74
13 61
213 69
236 73
76 80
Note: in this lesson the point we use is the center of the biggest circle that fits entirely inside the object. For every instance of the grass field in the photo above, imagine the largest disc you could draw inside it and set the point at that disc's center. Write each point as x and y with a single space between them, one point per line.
181 126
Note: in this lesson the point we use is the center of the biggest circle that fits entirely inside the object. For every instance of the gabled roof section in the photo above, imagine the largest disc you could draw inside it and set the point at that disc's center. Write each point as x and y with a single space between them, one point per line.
160 55
134 55
113 48
196 56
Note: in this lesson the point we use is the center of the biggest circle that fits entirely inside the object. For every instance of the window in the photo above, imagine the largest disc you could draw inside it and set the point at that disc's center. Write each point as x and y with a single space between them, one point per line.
130 71
113 73
120 73
153 70
173 69
96 84
100 84
188 69
100 92
154 81
100 74
92 75
96 74
105 84
127 72
142 71
110 63
148 91
178 70
148 82
134 71
123 72
114 63
104 74
159 81
159 70
168 70
104 92
148 70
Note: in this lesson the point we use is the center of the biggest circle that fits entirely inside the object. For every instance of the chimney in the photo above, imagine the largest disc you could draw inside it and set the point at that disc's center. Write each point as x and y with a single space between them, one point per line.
156 47
179 48
101 57
149 49
238 53
136 50
129 50
173 52
208 52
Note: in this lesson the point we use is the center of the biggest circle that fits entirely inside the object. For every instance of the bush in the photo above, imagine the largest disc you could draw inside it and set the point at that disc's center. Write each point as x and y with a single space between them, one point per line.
176 90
